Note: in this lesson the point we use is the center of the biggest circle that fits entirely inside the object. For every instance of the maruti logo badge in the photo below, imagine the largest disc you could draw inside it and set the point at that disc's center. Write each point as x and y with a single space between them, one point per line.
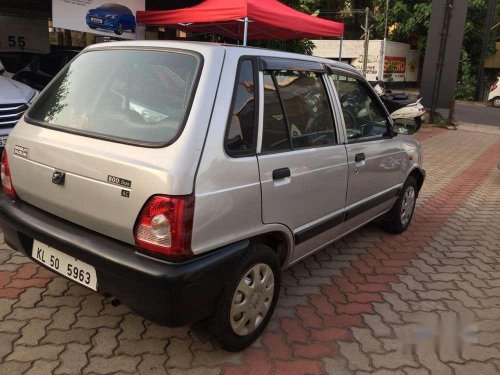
58 178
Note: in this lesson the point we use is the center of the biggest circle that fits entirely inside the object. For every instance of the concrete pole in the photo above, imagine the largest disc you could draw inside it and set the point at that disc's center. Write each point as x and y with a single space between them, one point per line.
384 43
367 40
340 49
245 32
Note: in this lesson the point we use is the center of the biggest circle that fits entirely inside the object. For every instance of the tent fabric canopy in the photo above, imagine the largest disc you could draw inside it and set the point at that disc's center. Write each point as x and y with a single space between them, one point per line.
268 19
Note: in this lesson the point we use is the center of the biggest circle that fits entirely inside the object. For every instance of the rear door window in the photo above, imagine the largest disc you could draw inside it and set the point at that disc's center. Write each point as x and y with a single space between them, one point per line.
126 95
307 108
297 111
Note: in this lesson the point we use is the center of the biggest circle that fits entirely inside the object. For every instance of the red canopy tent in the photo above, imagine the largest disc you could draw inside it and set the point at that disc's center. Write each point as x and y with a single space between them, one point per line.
244 19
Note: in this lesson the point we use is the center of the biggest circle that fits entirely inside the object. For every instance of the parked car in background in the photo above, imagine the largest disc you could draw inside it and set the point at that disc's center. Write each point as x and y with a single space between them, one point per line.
14 61
117 18
181 178
15 97
494 95
41 71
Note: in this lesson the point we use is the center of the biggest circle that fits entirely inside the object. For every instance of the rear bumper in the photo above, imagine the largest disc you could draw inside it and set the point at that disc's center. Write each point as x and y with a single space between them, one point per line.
171 294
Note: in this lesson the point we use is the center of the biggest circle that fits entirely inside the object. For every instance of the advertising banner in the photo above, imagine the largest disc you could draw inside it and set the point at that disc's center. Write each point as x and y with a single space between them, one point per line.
24 34
98 16
395 68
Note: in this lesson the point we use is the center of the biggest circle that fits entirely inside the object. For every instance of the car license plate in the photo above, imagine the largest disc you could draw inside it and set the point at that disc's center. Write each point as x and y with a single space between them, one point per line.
96 20
3 141
65 265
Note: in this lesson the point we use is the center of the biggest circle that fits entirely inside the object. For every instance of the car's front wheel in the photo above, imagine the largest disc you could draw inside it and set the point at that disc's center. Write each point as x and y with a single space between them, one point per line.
249 299
398 219
119 29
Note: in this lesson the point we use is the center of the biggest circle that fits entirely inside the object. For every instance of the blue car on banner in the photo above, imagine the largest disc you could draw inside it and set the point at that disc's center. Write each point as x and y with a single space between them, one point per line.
115 17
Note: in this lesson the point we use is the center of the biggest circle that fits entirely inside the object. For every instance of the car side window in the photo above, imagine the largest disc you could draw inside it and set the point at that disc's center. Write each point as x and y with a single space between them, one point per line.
364 118
240 137
275 135
307 108
297 111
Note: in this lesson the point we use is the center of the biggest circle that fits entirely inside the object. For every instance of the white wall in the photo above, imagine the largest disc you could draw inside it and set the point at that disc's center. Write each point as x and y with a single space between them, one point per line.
397 55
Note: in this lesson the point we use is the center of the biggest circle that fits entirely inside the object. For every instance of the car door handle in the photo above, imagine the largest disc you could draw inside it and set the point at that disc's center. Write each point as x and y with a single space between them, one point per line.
359 157
278 174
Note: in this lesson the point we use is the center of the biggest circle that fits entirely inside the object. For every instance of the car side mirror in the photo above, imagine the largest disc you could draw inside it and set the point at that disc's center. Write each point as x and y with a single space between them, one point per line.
405 127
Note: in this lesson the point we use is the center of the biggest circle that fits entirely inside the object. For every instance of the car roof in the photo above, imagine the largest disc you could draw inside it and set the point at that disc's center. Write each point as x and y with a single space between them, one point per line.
230 49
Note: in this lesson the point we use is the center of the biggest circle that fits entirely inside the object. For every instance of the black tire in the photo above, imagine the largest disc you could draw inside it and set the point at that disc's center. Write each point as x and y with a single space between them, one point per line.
132 30
222 330
93 27
393 221
495 102
119 29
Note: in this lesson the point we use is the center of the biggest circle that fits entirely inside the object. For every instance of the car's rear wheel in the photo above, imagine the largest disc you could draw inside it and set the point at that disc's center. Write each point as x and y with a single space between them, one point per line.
119 29
249 299
496 102
93 27
398 219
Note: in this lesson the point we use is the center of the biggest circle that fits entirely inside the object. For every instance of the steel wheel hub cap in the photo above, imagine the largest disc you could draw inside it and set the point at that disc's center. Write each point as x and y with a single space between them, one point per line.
407 204
252 299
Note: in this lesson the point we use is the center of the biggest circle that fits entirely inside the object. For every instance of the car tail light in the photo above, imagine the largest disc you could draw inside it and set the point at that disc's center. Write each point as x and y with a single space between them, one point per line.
494 87
6 177
164 226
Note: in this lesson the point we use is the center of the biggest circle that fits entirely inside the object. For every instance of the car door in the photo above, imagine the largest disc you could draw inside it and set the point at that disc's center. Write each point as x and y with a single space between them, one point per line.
375 158
302 166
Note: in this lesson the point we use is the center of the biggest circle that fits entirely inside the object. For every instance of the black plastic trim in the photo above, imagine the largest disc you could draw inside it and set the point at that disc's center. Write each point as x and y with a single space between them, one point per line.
278 63
365 206
323 226
307 234
281 173
168 293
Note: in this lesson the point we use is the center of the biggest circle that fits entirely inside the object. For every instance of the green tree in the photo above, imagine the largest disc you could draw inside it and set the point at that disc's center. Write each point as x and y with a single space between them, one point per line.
409 21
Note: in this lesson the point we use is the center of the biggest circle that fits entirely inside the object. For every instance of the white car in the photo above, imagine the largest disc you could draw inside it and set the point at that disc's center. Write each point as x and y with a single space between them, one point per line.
494 96
15 98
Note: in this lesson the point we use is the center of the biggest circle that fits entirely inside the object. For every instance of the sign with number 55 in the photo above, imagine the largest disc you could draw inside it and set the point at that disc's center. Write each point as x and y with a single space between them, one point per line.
24 34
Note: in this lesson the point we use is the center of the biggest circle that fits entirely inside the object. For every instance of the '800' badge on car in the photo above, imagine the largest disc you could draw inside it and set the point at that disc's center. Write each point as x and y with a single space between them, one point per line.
21 151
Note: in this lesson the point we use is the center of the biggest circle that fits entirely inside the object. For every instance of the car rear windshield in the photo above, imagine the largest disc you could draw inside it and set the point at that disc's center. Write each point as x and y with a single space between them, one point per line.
136 96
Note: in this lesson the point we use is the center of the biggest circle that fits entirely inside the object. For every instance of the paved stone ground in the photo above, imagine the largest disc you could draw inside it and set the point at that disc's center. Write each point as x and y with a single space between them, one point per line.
427 301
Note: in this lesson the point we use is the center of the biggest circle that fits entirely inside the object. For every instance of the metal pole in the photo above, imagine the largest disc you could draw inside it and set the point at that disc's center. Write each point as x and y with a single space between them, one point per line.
340 49
367 38
384 43
245 32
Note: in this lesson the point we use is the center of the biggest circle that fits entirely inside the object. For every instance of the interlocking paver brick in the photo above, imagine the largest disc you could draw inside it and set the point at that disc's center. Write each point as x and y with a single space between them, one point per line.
122 363
32 353
73 359
360 306
42 367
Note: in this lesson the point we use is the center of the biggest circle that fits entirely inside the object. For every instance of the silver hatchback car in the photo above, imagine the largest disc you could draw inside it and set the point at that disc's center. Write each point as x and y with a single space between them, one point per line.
180 178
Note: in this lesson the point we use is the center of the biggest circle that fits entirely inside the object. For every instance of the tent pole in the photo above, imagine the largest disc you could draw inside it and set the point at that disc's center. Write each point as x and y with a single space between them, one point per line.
245 32
340 49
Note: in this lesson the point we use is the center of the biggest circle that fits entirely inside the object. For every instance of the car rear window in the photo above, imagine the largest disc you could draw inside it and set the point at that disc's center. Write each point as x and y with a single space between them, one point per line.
135 96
